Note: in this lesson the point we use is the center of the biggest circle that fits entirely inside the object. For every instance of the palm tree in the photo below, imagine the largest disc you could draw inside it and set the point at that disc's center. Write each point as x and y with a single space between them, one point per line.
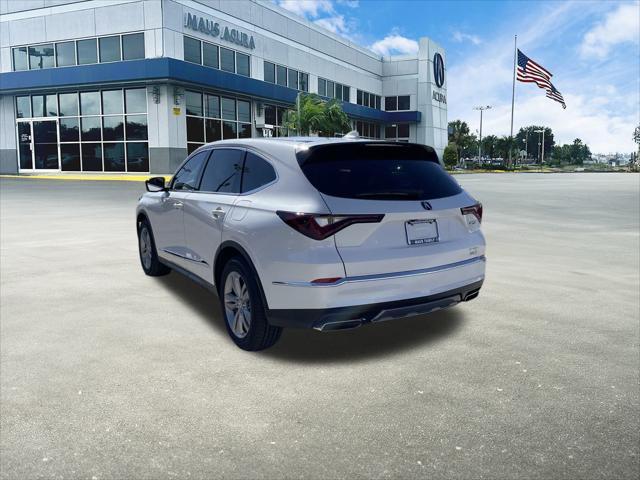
313 114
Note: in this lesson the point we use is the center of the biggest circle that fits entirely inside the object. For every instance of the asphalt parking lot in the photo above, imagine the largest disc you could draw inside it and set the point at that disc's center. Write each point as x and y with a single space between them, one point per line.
106 373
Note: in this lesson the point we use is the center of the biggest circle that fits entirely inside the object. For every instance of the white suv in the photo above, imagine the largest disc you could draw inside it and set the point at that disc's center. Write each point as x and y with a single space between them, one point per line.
314 233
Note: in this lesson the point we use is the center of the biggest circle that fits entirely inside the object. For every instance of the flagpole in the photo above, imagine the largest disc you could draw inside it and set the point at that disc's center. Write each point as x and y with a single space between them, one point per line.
513 94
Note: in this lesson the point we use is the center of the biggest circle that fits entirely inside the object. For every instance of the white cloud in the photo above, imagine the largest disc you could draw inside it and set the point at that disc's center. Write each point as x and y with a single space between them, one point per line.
460 37
307 8
395 44
619 26
349 3
336 24
602 103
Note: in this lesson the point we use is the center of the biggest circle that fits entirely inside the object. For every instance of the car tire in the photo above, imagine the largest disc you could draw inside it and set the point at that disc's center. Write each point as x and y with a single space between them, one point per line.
148 254
243 309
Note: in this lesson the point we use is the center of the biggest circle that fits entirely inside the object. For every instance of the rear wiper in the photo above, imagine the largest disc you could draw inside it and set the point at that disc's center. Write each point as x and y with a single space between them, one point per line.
406 195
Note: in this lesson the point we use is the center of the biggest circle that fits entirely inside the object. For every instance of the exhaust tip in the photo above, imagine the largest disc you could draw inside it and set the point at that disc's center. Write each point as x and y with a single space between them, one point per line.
471 295
342 325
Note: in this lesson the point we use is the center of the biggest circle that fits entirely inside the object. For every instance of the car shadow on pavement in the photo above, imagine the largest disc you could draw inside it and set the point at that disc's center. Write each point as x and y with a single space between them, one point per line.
310 346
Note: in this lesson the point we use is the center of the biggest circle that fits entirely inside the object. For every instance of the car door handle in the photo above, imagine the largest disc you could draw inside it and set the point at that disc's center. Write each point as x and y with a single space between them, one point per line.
218 213
177 204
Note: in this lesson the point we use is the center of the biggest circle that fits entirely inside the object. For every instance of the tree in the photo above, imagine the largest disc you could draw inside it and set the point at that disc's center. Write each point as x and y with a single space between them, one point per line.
636 136
317 115
450 156
465 142
529 138
579 152
489 146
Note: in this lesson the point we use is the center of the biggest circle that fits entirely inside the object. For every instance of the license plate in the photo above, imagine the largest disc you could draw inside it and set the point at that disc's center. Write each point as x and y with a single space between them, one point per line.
421 231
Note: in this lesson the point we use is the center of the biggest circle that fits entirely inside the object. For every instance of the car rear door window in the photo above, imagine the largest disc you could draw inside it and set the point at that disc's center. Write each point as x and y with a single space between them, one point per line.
377 171
223 171
187 176
257 172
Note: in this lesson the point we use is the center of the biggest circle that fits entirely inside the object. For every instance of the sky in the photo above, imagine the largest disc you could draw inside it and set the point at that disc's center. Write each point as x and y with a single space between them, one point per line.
591 48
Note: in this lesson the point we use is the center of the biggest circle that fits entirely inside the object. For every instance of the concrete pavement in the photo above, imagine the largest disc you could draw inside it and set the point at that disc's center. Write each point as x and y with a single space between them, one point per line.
106 373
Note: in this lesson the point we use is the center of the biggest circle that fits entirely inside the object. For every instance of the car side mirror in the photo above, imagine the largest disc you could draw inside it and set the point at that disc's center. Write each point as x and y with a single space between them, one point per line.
155 184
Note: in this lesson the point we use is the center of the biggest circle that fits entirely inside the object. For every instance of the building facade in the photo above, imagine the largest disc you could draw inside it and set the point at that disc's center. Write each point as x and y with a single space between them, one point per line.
135 85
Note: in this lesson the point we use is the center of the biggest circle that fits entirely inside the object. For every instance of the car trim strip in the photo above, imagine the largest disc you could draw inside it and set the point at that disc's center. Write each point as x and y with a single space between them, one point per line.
386 276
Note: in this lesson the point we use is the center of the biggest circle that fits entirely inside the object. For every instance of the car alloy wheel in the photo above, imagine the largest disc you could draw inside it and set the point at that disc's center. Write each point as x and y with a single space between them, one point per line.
146 250
237 304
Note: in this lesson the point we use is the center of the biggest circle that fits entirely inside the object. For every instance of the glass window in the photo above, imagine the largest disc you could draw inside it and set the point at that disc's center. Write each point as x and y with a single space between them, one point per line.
212 130
391 132
69 130
20 59
256 173
338 91
23 107
90 129
403 130
193 102
346 93
44 106
66 54
109 49
244 130
359 97
37 105
382 172
229 130
293 79
68 104
41 56
227 61
210 55
114 157
90 103
244 111
137 127
242 61
133 46
228 108
403 102
192 51
195 129
187 177
223 172
113 128
70 157
269 114
378 102
87 51
91 157
322 87
135 100
331 89
390 103
269 72
281 75
212 107
137 157
112 102
304 82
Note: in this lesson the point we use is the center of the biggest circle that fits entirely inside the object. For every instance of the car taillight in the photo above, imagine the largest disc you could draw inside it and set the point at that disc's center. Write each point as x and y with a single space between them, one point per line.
475 210
321 226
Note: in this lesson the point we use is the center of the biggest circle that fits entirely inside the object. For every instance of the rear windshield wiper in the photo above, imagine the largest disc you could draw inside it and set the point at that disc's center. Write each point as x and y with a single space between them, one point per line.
413 195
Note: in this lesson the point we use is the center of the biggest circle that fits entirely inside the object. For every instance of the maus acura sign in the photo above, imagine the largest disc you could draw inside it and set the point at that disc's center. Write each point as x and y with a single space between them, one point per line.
210 27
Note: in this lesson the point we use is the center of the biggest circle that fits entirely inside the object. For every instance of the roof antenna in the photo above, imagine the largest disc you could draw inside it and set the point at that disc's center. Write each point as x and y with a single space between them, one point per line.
351 134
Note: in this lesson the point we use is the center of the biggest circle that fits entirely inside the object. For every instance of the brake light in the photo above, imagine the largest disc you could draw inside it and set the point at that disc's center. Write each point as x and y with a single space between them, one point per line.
321 226
474 210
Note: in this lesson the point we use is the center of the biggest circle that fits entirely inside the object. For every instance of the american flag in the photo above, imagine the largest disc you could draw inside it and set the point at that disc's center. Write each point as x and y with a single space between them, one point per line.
529 71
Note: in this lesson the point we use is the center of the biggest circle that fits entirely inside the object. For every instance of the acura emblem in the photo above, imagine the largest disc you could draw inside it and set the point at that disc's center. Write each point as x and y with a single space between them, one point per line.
426 205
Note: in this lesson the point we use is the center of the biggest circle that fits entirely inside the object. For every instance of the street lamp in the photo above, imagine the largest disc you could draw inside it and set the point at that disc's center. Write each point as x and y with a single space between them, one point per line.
482 109
542 150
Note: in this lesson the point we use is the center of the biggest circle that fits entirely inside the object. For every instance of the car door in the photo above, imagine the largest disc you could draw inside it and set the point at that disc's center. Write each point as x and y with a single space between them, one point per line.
207 209
167 215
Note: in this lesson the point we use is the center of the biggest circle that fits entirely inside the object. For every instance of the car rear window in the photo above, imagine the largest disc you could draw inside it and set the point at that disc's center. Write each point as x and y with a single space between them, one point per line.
377 171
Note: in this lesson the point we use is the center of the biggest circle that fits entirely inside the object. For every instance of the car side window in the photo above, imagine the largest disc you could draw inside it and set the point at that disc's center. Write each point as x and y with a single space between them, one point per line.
187 176
256 173
223 171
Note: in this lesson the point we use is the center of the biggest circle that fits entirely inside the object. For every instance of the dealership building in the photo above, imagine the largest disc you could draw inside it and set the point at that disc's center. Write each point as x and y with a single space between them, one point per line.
135 85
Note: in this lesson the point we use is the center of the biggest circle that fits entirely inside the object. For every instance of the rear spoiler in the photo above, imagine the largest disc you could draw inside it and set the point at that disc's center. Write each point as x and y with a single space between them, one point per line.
368 149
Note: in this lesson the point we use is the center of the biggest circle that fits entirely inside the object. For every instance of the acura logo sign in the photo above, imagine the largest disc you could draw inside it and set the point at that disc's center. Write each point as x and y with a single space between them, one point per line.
438 70
426 205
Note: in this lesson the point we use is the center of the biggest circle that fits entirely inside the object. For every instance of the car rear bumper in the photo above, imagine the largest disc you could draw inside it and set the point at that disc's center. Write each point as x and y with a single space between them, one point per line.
353 316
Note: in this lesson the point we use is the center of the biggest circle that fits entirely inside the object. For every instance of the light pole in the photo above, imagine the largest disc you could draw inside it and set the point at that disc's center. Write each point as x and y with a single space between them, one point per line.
542 149
482 109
